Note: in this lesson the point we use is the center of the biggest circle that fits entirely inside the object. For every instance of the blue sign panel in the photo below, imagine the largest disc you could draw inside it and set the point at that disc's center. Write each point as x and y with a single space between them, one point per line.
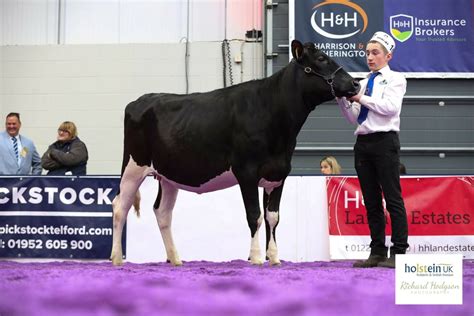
339 28
46 217
433 38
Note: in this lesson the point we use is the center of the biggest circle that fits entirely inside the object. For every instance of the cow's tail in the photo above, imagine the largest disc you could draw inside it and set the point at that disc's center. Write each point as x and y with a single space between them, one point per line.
136 203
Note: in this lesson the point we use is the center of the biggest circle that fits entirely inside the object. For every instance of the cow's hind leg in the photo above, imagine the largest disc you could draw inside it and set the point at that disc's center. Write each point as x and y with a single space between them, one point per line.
272 218
132 177
163 208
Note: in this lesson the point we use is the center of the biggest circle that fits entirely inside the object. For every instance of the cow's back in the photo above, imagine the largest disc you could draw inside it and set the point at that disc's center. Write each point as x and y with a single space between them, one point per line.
186 138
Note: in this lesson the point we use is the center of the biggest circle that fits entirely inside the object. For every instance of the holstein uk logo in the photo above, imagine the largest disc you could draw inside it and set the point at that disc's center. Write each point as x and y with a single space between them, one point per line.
444 269
428 279
401 27
344 19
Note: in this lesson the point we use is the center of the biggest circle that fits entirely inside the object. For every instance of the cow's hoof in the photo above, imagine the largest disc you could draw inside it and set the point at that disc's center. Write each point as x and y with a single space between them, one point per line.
257 262
176 263
117 261
275 262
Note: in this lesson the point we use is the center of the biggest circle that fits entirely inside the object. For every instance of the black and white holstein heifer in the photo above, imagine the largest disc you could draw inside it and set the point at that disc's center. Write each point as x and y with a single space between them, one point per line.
244 134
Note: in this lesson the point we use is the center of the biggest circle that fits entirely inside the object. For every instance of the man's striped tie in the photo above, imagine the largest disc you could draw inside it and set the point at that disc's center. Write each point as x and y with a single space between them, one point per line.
15 147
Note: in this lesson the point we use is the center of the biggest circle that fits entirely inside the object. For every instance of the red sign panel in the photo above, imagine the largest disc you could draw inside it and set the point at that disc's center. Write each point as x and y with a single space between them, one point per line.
435 206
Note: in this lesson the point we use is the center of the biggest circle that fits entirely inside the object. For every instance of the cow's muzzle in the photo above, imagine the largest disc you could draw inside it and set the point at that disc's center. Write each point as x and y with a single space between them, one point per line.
355 89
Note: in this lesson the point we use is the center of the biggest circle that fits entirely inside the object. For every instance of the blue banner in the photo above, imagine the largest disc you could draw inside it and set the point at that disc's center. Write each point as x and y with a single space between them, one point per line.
434 38
47 217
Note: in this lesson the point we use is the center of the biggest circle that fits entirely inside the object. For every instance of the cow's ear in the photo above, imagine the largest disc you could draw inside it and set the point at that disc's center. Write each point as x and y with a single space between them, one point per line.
297 49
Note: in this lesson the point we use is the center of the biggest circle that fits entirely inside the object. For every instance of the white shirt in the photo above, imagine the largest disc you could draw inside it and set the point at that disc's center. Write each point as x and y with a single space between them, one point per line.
384 105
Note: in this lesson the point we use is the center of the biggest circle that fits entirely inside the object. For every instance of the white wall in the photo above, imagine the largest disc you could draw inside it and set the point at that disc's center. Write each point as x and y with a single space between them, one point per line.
133 47
38 22
91 85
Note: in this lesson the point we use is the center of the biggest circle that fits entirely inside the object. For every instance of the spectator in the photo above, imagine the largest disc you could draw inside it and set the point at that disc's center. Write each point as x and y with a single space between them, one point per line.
18 153
68 155
329 165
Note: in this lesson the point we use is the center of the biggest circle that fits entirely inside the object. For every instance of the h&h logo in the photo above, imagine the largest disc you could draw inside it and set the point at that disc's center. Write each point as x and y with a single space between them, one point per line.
342 19
401 27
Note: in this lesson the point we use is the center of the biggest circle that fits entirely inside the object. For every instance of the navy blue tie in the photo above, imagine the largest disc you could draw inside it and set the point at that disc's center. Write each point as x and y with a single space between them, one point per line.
15 147
368 91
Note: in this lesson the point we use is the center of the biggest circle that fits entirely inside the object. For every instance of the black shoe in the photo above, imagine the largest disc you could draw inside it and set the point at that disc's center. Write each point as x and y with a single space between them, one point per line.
372 261
390 263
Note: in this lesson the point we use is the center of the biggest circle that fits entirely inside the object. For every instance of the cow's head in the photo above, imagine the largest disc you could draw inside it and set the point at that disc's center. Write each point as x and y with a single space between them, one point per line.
322 72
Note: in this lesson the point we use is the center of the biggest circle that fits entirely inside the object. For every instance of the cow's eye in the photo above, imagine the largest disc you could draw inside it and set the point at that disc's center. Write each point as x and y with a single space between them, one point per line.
321 58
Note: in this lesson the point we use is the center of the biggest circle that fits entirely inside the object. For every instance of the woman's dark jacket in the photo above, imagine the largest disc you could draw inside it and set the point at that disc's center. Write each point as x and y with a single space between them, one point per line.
62 157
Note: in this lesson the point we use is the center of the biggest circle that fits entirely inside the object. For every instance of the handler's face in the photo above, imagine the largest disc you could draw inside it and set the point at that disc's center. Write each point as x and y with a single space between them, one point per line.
376 57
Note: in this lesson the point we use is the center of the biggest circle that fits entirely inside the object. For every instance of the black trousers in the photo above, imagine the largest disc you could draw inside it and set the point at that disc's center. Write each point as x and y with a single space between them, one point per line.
377 160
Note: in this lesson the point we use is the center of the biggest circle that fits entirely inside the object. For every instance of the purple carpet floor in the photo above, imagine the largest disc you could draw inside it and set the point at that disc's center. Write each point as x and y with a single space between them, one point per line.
207 288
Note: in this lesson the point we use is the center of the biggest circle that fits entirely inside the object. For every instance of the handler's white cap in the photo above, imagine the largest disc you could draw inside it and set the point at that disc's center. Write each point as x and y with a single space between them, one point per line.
384 39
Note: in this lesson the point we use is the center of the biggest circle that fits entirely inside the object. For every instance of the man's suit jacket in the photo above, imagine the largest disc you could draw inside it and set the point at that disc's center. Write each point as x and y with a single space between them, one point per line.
30 161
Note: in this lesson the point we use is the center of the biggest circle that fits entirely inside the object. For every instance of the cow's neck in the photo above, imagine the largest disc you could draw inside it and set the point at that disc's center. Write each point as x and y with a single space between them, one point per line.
296 102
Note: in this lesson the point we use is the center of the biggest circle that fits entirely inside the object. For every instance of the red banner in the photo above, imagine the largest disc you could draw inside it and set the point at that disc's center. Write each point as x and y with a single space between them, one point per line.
434 205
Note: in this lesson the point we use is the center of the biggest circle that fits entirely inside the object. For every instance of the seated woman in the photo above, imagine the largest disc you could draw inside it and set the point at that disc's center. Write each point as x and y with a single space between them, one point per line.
68 155
329 165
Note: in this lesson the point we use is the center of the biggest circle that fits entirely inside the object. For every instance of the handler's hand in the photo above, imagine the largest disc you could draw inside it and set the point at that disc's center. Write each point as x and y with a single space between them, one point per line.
355 98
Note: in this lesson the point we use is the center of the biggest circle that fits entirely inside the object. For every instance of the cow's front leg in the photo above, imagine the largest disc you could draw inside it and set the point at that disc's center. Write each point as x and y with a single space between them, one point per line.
164 213
272 218
249 191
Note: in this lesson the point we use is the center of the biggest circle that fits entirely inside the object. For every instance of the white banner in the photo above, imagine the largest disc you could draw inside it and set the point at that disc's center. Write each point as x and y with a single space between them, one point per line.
213 226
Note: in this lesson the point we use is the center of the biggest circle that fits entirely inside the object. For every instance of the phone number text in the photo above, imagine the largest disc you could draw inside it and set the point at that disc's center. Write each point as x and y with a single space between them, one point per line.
48 244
